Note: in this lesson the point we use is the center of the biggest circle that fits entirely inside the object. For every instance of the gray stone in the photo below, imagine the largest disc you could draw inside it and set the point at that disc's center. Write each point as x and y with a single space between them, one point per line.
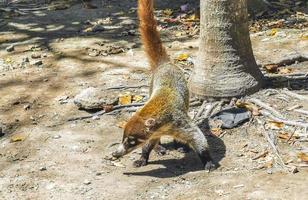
10 48
94 98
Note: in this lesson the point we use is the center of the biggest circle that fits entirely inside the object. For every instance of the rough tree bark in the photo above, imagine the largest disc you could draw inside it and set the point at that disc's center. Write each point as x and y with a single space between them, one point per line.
225 65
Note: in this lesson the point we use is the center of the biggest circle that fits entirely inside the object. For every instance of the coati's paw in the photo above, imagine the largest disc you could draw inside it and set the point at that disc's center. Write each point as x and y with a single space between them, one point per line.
183 149
160 150
141 162
209 166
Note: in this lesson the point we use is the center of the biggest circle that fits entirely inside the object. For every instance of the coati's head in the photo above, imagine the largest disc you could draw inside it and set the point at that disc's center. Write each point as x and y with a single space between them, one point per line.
137 130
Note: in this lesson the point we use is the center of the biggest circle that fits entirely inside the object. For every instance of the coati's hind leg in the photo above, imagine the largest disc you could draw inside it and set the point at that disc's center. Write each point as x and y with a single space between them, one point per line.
190 133
146 150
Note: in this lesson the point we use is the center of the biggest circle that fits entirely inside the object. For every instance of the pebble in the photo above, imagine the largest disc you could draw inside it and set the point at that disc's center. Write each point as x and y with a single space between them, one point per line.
10 48
43 168
269 171
56 137
37 62
36 55
86 182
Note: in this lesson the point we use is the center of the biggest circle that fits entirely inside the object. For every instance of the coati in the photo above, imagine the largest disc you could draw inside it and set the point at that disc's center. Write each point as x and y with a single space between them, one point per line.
165 113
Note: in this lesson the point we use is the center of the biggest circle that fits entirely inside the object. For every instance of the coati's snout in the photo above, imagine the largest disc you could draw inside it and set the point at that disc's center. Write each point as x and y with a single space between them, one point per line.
136 132
128 144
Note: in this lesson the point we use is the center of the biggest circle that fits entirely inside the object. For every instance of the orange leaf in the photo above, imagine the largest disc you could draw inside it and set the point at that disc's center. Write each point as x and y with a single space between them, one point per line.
303 156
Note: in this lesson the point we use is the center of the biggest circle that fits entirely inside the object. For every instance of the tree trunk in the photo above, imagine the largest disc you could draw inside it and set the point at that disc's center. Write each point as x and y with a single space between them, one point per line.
225 65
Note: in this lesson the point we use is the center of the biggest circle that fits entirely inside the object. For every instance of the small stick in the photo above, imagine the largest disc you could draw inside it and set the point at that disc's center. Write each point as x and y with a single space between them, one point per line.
263 154
287 122
267 107
102 112
209 111
126 87
273 146
293 94
301 111
199 113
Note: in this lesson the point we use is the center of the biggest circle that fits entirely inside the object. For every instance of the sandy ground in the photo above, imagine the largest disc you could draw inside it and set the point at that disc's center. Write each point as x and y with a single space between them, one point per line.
57 159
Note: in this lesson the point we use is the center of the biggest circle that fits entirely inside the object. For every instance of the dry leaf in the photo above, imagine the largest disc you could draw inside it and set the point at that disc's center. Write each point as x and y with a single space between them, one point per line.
125 99
273 32
275 125
271 68
178 34
285 70
182 57
192 18
167 12
17 138
216 131
303 156
283 135
137 98
304 37
108 108
249 106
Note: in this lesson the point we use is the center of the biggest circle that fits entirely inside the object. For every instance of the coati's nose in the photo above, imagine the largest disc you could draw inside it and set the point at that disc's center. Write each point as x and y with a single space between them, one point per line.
119 152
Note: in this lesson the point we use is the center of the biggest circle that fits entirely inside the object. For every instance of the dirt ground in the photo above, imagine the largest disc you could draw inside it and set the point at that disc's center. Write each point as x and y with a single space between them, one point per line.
58 159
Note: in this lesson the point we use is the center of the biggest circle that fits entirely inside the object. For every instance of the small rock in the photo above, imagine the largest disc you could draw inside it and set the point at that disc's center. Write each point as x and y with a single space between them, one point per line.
27 107
36 56
10 48
56 137
93 98
43 168
269 171
293 169
25 60
86 182
98 28
37 62
98 173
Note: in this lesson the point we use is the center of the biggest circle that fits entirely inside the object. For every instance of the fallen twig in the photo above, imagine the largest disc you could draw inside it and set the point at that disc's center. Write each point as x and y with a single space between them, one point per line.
282 120
301 111
274 148
263 154
200 111
295 95
267 107
126 87
102 112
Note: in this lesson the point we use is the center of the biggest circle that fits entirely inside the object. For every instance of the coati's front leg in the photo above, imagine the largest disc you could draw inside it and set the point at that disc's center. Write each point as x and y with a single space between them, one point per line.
146 150
190 133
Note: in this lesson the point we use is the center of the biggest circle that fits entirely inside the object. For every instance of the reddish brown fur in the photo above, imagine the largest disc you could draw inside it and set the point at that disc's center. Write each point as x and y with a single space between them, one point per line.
150 37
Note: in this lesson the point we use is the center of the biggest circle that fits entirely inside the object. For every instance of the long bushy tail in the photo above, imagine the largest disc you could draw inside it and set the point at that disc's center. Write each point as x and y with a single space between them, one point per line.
150 37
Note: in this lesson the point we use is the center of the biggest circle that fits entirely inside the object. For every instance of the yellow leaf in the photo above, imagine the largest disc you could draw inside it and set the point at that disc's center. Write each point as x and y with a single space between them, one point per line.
283 135
271 68
273 32
137 98
17 138
275 125
8 61
125 99
249 106
303 156
192 18
216 131
167 12
182 57
285 70
304 37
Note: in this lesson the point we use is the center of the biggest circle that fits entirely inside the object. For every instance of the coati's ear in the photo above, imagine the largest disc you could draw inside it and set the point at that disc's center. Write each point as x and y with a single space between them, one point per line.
149 123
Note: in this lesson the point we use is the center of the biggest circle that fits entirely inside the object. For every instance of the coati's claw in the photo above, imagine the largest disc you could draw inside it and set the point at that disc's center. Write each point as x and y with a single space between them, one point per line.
141 162
160 150
209 166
